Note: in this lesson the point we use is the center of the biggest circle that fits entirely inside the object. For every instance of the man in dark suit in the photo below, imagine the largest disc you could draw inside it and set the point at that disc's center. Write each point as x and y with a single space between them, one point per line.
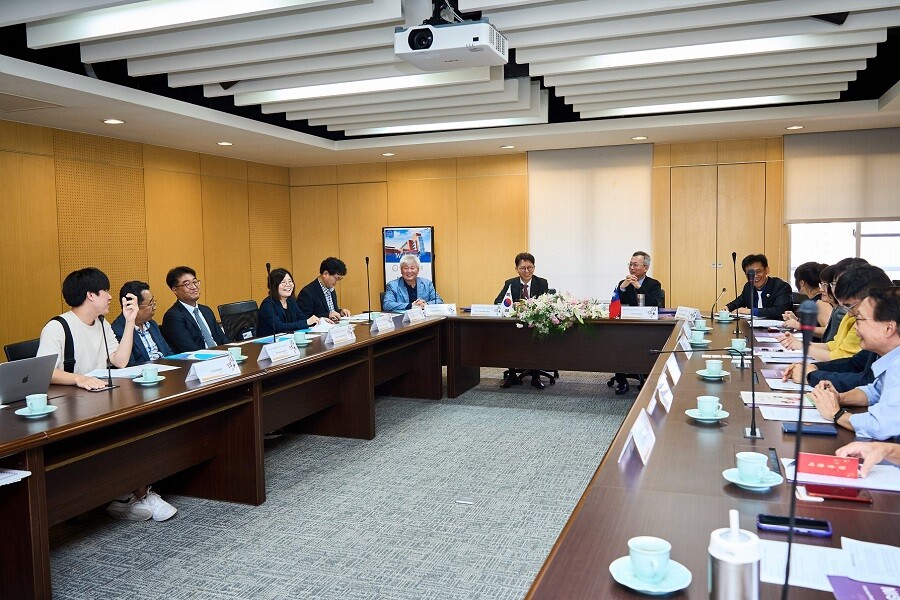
637 282
187 325
149 343
526 285
768 297
318 296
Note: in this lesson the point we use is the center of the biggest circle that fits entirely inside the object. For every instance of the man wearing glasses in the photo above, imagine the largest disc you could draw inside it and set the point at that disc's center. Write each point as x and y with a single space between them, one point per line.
318 298
188 325
768 297
149 343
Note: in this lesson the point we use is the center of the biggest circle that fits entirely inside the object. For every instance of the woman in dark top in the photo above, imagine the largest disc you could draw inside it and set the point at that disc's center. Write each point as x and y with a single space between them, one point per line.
279 312
808 279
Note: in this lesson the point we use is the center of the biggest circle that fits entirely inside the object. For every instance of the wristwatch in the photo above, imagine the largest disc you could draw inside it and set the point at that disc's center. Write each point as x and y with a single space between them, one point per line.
838 415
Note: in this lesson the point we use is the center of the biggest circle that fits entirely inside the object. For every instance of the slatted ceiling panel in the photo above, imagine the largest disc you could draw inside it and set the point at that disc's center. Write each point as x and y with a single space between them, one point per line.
270 233
362 212
21 137
314 229
263 173
28 245
170 159
226 240
324 175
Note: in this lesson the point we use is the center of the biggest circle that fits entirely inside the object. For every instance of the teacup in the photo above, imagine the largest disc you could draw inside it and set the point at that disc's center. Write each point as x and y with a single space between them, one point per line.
696 336
739 344
235 352
36 402
150 373
723 314
752 466
714 367
649 557
708 406
300 337
699 323
374 314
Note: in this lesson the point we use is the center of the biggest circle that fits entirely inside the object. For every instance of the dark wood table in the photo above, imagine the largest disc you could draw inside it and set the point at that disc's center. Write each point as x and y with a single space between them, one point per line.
203 440
680 494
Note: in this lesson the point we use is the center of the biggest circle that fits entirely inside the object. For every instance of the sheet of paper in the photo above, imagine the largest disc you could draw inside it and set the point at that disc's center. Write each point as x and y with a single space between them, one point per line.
8 476
810 565
785 386
198 355
845 588
877 563
129 372
884 477
782 413
776 399
767 323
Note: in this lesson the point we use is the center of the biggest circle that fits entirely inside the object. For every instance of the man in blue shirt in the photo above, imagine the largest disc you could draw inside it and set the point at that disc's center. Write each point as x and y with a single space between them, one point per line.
878 325
409 289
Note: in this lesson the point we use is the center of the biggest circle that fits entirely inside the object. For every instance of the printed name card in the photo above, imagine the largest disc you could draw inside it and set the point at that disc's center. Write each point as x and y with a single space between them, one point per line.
686 329
664 392
643 437
414 315
279 351
382 323
486 310
340 334
440 310
674 369
687 313
640 312
213 369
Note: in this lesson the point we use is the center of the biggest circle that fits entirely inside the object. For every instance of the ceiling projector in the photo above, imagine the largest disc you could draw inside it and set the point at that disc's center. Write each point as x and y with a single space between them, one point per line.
451 46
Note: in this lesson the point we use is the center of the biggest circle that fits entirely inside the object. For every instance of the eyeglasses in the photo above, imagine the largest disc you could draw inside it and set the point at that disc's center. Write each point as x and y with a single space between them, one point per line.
524 268
152 303
189 284
849 307
635 265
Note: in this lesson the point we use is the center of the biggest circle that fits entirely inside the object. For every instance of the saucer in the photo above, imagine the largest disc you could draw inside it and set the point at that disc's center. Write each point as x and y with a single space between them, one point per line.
728 320
140 380
701 328
705 375
28 413
302 344
240 359
695 414
768 481
700 343
677 577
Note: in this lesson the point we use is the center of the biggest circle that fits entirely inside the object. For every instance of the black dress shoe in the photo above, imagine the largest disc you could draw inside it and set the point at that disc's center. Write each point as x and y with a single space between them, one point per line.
611 382
622 389
510 381
536 382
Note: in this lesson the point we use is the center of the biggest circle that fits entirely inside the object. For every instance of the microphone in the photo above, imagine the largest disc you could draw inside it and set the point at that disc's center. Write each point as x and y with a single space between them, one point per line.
809 318
737 328
752 432
731 351
109 383
368 291
712 311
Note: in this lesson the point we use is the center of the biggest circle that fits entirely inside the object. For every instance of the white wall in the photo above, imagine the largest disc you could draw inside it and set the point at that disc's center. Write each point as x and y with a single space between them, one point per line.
588 210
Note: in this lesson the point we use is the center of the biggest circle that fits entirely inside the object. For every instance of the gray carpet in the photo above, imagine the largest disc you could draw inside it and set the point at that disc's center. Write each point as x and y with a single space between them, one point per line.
349 519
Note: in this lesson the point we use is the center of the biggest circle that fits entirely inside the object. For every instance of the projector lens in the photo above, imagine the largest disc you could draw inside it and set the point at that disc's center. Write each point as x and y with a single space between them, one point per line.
420 39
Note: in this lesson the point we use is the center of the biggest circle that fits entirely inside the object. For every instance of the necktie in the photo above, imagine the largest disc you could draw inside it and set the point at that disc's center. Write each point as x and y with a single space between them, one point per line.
201 322
525 291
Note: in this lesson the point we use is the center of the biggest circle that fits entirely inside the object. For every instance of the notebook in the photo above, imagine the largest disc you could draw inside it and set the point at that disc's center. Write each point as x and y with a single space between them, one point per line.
20 378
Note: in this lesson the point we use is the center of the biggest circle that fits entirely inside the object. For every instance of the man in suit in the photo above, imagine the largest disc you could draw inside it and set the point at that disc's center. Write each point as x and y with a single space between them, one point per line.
768 297
527 284
188 325
149 343
318 298
637 282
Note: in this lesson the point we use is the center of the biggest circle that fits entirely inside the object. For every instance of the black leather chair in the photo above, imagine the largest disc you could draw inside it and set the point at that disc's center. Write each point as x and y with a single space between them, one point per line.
515 376
641 378
20 350
239 319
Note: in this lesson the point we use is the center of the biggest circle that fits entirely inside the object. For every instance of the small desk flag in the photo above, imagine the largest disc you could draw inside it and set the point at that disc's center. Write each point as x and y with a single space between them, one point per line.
507 301
615 305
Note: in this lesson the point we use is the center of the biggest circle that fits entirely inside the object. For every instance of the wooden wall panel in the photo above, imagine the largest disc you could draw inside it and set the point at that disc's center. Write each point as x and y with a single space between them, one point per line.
662 155
662 228
361 173
220 166
270 233
93 148
493 224
226 240
428 202
694 153
21 137
314 229
174 229
439 168
742 212
734 151
480 166
362 211
776 231
29 246
268 173
170 159
693 243
324 175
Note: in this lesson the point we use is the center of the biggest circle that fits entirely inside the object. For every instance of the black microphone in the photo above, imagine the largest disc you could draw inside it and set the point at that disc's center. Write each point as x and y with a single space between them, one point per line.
712 311
368 290
109 383
731 351
809 318
737 328
752 432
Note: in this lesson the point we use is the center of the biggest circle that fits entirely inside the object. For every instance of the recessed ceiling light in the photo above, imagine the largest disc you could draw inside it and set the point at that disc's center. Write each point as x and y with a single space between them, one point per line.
224 143
507 147
639 138
113 121
387 154
795 127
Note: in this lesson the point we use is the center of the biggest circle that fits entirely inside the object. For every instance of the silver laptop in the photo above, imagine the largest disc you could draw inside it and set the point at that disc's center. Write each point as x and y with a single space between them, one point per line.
26 376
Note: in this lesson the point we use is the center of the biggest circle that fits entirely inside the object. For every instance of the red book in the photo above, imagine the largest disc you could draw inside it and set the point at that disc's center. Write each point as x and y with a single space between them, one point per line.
823 464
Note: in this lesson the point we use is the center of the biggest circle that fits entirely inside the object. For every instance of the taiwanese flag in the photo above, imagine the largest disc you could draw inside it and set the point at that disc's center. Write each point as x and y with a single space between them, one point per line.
615 305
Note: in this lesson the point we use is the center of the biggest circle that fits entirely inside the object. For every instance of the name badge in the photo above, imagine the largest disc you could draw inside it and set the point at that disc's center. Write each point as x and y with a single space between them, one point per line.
664 392
213 369
685 345
440 310
382 323
674 369
687 313
642 436
486 310
279 351
414 315
640 312
340 334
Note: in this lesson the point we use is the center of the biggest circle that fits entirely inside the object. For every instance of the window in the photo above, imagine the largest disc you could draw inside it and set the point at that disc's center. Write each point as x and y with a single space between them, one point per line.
876 241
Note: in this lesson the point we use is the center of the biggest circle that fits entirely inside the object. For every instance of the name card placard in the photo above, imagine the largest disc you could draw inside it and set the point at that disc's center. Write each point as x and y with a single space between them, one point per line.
340 334
687 313
279 351
382 323
664 392
685 344
440 310
640 312
642 436
414 315
686 329
674 369
213 369
486 310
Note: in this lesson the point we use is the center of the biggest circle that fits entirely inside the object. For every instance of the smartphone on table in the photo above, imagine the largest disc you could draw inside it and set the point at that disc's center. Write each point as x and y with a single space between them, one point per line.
802 525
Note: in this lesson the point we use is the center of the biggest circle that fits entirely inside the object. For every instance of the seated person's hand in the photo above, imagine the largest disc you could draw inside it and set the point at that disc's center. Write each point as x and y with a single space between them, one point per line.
743 311
795 370
826 399
872 453
313 320
89 383
789 314
345 312
334 316
788 341
419 302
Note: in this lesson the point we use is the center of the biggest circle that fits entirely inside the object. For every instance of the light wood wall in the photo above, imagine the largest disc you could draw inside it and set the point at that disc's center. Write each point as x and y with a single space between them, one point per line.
711 199
478 207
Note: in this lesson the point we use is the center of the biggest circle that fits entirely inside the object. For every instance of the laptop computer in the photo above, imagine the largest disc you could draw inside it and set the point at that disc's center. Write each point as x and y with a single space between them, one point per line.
20 378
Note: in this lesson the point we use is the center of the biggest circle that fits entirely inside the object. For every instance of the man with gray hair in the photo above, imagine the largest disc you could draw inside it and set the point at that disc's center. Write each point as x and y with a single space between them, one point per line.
409 289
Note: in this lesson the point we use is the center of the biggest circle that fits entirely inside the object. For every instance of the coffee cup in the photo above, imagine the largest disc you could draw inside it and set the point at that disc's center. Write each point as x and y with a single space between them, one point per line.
752 466
649 557
723 314
696 336
300 337
714 367
699 323
739 344
374 314
708 406
36 402
150 373
235 352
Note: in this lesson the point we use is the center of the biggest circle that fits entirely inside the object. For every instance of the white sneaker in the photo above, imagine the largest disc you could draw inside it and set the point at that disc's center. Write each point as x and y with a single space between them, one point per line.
159 508
130 509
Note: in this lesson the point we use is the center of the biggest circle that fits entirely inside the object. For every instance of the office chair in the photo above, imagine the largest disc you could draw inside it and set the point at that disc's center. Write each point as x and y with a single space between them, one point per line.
515 376
20 350
641 378
239 319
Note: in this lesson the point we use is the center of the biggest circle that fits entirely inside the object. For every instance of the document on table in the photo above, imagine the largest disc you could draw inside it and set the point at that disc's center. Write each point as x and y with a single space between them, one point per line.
884 477
776 383
8 476
198 355
775 399
767 323
783 413
129 372
781 356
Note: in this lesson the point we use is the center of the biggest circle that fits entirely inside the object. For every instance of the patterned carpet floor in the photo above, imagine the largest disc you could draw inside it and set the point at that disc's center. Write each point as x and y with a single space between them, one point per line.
351 519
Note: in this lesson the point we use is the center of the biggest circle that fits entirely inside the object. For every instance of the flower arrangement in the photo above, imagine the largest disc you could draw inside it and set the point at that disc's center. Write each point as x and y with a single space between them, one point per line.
554 313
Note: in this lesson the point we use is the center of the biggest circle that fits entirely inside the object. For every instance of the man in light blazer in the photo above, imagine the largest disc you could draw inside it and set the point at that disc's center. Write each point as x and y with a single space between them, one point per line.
149 343
188 325
318 298
409 289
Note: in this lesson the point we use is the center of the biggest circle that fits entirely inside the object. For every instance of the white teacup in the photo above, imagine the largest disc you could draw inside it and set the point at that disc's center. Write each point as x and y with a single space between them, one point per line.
714 367
708 406
36 402
150 373
649 557
699 323
739 344
752 466
696 336
300 337
723 314
235 352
